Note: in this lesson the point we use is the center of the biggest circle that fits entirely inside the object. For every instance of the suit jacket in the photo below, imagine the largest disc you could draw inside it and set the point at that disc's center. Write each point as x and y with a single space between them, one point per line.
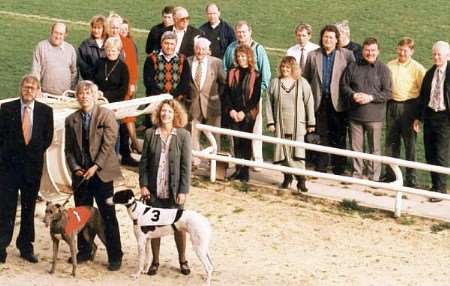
179 162
313 74
187 44
205 101
103 133
17 160
425 91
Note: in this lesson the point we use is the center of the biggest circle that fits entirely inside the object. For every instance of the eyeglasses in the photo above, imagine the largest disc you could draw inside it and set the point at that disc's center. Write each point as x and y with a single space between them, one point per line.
185 18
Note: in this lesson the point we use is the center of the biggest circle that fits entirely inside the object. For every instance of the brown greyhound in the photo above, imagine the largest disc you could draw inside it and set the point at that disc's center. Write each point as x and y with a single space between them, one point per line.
66 224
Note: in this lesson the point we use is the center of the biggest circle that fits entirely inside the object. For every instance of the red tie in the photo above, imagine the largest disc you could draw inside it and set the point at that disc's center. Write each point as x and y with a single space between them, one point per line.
26 125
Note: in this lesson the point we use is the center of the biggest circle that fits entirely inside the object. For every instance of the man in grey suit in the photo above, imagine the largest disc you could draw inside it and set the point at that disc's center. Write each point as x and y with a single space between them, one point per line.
206 87
91 134
323 70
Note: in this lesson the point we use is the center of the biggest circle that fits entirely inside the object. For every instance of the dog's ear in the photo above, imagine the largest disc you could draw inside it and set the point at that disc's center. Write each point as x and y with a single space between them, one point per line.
58 206
123 197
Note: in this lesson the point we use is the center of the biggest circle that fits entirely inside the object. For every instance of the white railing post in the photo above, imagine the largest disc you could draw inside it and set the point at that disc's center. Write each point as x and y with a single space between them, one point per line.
398 196
213 142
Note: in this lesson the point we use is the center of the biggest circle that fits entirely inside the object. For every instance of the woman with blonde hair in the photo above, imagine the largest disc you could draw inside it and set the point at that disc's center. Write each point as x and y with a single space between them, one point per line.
290 115
165 170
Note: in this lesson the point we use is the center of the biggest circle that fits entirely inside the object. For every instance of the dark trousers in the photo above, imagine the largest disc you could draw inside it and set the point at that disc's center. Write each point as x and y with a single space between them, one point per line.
84 196
9 191
436 132
331 126
243 147
399 121
124 139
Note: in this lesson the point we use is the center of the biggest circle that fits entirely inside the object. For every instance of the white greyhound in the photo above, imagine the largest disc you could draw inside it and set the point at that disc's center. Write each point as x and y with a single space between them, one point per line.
151 222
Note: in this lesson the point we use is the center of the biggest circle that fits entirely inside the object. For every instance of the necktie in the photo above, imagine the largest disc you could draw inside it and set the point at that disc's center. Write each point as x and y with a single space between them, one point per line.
302 58
198 74
26 124
435 97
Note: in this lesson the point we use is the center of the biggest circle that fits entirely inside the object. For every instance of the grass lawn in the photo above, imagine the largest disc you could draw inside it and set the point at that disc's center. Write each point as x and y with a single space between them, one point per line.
273 23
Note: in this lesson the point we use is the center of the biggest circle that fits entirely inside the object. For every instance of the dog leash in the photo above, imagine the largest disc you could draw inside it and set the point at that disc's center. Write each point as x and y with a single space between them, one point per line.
76 188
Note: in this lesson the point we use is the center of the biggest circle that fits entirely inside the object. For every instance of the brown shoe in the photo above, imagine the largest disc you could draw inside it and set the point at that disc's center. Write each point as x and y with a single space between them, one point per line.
153 269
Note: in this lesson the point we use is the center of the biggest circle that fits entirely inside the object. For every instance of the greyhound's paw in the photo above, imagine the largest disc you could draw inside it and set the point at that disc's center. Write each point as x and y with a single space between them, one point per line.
135 276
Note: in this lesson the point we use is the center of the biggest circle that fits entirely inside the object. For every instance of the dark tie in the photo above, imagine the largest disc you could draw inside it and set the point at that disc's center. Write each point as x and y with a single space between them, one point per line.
302 58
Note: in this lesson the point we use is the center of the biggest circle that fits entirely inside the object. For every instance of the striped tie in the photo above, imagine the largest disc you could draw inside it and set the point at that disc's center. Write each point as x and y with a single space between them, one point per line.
26 124
198 74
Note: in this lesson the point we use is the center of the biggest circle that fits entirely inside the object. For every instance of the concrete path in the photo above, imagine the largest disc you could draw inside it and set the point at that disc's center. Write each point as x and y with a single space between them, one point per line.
365 196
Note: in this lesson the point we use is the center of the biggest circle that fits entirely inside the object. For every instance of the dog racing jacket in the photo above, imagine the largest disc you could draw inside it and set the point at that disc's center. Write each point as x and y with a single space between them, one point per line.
158 217
76 218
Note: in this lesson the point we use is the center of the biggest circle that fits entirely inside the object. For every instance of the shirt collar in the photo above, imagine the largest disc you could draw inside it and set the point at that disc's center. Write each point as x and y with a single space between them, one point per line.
215 25
330 54
167 57
173 132
179 31
443 68
30 105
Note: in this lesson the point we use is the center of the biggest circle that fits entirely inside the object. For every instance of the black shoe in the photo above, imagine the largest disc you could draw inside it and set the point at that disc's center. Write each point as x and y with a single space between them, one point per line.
81 258
130 161
287 181
410 184
114 265
387 179
184 268
30 257
434 200
235 175
3 256
153 269
301 184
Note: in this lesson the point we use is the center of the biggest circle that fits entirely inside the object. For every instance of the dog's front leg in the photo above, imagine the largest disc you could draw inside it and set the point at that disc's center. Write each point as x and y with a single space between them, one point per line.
148 251
141 250
55 254
73 252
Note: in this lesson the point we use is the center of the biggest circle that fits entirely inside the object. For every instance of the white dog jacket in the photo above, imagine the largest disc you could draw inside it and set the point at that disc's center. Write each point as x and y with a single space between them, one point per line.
157 216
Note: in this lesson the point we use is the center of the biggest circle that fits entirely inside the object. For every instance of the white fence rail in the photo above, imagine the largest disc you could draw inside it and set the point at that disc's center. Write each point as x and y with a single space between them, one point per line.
210 153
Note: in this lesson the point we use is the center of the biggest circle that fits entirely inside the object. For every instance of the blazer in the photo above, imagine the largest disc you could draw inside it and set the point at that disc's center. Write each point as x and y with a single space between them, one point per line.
103 132
17 160
313 74
187 44
179 162
205 102
425 90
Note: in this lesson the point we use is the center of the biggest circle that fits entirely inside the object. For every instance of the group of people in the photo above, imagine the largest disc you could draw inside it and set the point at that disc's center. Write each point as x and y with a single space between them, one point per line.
217 75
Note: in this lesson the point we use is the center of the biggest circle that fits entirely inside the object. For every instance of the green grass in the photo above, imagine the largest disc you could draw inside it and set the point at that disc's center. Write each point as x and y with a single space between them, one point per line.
273 23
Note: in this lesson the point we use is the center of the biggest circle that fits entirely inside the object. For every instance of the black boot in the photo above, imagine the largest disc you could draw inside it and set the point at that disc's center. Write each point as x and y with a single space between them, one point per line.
244 174
236 174
287 181
301 184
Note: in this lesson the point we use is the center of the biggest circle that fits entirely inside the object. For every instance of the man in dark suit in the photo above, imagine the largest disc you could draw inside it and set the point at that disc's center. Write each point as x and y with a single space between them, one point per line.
154 36
206 87
323 70
434 110
185 32
91 134
26 131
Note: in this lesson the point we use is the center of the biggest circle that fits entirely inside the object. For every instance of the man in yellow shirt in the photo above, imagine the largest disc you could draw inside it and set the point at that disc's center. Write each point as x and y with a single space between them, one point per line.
407 76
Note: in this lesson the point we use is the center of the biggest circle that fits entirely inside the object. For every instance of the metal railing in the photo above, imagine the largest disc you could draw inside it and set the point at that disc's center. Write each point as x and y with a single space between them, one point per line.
210 153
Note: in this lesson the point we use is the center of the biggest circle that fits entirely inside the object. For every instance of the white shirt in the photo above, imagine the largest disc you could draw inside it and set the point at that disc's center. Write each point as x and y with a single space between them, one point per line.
168 58
295 51
204 64
441 89
180 35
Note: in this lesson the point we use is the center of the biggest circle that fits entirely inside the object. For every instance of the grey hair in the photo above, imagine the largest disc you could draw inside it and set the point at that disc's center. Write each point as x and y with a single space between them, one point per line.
113 42
82 84
442 47
202 42
168 35
343 27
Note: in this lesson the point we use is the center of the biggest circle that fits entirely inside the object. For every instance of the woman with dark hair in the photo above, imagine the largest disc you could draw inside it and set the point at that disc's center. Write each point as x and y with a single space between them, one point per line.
165 170
241 96
91 50
290 115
